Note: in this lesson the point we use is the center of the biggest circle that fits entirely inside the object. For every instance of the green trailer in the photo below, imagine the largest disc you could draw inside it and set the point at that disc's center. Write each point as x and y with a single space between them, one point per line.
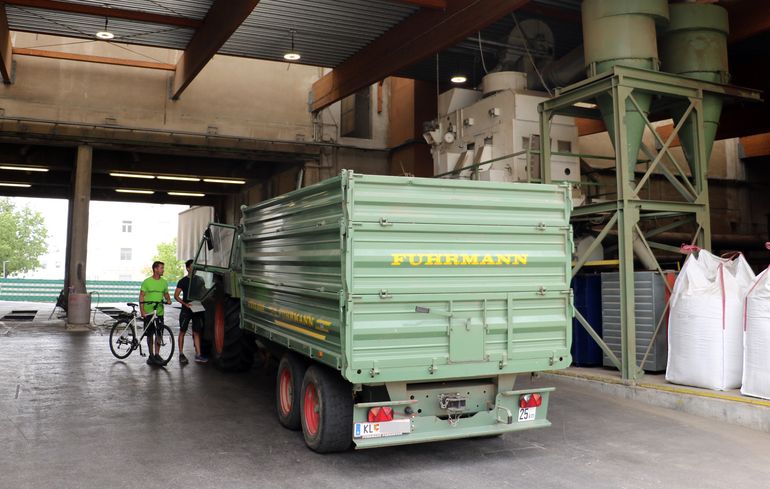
402 309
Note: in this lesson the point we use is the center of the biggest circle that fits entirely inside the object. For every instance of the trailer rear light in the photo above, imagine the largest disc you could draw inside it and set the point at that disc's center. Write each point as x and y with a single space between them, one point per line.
530 401
380 414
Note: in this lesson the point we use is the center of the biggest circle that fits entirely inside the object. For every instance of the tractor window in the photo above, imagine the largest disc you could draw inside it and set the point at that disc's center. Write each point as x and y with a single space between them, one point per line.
216 248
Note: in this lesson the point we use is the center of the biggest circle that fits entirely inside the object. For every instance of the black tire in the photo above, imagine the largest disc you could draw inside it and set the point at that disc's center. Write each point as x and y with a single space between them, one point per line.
239 346
167 343
288 389
122 340
333 422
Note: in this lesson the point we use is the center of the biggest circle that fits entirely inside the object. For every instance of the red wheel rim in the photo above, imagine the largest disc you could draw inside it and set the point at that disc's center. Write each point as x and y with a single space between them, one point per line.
285 394
311 410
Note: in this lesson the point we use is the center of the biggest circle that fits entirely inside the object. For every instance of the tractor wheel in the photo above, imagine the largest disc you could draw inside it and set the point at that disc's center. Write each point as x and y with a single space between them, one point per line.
327 411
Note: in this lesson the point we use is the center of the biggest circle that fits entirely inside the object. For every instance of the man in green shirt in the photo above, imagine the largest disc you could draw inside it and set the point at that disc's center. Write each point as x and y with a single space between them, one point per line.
154 289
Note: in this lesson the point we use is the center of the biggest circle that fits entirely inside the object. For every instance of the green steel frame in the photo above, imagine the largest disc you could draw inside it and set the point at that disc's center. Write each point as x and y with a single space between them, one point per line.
630 208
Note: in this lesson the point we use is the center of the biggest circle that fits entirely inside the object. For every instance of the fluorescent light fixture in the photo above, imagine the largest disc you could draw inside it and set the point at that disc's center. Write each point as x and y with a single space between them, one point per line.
133 191
180 179
132 175
19 185
459 79
24 168
222 180
186 194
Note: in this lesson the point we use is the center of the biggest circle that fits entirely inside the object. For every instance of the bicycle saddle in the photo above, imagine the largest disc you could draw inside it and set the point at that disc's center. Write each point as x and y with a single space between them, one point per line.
132 304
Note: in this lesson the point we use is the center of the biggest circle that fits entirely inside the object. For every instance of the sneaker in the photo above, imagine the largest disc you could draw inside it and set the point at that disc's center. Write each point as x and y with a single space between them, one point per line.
159 361
151 360
201 359
183 359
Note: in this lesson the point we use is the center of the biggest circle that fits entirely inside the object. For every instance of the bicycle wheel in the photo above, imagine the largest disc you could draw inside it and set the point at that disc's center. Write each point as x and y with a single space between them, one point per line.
122 339
164 338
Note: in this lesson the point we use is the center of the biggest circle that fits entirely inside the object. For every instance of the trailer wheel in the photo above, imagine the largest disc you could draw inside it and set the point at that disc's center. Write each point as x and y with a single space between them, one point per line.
234 348
288 389
327 411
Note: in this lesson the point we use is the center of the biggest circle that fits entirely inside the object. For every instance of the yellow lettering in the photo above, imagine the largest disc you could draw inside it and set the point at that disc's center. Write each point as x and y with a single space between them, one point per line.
398 259
470 260
519 259
488 260
433 260
503 259
415 260
452 260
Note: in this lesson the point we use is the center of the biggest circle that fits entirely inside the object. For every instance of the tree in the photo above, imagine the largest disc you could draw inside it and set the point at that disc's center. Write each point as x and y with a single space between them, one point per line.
174 268
23 238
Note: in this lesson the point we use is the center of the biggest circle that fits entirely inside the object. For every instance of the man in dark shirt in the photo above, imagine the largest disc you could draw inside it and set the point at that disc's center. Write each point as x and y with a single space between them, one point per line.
186 315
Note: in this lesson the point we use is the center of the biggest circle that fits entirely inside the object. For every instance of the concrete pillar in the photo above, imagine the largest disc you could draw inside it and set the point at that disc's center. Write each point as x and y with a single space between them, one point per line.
78 221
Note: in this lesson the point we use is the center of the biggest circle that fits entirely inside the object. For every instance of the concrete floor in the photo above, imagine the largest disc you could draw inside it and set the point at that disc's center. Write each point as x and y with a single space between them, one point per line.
71 416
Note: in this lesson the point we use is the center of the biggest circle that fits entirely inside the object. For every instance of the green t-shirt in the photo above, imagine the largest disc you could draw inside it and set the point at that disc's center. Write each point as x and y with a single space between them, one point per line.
154 291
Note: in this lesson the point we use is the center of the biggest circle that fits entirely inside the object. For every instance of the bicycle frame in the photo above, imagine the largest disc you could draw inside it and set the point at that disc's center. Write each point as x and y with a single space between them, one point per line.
133 325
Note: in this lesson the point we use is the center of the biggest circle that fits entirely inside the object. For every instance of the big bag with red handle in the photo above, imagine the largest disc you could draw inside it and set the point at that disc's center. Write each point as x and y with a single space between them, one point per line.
756 338
705 325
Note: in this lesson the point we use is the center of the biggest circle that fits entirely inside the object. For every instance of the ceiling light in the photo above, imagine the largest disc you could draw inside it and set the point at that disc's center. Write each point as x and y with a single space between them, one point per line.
292 55
180 179
24 168
20 185
133 191
132 175
459 79
221 180
105 34
186 194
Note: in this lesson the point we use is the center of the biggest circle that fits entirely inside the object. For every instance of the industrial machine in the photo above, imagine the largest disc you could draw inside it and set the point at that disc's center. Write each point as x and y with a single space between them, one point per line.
402 309
493 134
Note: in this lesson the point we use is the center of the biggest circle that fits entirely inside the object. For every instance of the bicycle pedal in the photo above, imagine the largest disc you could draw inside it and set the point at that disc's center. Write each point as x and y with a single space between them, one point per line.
143 354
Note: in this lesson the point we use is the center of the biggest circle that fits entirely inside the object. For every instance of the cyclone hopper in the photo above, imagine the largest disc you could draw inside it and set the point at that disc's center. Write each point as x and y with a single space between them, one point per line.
623 33
695 45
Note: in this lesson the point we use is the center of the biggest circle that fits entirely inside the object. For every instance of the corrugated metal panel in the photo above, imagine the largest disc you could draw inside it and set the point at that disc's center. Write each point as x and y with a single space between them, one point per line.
510 312
326 31
192 9
86 26
650 298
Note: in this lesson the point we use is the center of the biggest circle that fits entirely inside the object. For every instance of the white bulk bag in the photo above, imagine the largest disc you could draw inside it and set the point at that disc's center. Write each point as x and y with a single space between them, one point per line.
756 339
705 324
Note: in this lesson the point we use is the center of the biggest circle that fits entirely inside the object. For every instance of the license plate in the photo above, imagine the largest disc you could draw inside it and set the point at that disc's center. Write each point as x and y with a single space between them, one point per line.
385 428
527 414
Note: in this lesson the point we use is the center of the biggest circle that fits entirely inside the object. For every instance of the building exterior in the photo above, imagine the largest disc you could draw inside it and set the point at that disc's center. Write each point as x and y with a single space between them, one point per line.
122 237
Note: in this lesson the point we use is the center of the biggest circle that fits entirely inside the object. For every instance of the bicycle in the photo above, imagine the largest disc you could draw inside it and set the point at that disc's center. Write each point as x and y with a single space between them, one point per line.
123 334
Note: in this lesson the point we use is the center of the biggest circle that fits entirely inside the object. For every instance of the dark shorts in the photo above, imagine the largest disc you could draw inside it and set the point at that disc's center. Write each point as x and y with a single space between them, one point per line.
186 316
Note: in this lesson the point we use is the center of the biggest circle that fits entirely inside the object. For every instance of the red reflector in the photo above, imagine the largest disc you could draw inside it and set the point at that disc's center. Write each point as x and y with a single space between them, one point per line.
380 414
530 401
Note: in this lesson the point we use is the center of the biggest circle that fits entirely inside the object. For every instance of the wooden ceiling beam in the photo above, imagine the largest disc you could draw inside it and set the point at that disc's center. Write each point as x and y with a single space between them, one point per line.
6 48
41 53
223 18
419 36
